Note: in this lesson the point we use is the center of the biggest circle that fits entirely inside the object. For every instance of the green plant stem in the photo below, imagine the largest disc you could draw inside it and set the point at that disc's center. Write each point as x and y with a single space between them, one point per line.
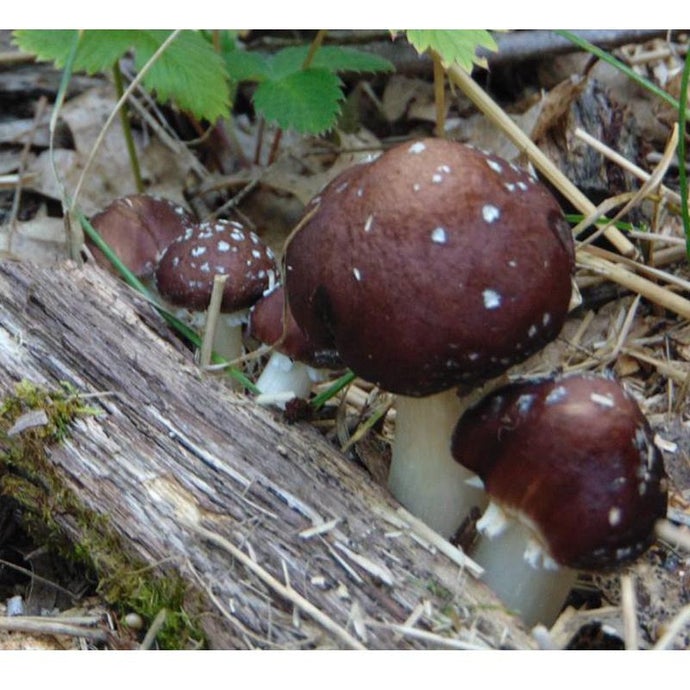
439 94
313 48
322 398
682 171
127 129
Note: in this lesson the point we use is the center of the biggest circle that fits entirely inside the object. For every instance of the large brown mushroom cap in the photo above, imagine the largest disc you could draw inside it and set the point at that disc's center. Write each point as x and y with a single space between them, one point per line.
185 272
574 458
138 228
434 265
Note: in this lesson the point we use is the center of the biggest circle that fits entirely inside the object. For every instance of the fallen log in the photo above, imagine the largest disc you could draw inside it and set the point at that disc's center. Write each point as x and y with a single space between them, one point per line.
280 540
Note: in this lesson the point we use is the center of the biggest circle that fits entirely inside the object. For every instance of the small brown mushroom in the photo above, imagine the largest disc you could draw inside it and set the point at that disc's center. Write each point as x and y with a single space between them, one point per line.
293 365
186 270
433 266
138 228
575 483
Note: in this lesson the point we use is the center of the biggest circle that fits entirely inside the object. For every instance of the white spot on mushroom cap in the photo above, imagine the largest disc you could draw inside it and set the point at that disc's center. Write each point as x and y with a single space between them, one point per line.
198 251
368 222
357 274
494 165
556 395
439 235
603 400
437 178
615 516
524 402
492 299
490 213
417 147
223 246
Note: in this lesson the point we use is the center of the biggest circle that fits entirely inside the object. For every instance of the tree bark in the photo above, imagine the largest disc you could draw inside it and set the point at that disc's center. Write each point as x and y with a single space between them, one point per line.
196 477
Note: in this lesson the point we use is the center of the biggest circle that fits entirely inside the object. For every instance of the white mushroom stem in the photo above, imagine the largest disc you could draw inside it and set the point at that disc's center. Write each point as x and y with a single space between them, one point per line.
283 379
423 476
518 570
227 341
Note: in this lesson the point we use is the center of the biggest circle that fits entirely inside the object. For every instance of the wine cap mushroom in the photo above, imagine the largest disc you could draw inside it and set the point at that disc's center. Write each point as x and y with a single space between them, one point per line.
271 323
434 265
294 365
138 228
185 272
573 459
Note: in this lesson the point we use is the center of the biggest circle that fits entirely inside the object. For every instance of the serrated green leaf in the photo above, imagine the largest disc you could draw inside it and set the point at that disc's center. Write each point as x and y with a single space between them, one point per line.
189 72
453 46
307 101
331 58
97 51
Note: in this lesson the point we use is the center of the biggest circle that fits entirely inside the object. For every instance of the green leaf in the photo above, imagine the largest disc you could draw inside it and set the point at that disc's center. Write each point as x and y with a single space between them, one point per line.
97 51
244 65
189 72
306 101
331 58
453 46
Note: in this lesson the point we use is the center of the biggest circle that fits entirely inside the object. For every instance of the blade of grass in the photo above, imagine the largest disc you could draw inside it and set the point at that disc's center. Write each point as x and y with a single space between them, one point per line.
322 398
682 171
52 128
615 62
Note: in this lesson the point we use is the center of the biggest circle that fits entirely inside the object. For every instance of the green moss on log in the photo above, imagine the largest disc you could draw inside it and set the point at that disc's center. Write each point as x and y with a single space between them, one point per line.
33 420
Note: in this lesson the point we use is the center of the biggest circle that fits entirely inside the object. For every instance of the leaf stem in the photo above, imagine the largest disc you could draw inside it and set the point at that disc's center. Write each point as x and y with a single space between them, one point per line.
127 129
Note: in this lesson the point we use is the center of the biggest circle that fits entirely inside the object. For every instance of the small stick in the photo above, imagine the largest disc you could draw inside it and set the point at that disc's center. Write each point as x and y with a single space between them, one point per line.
618 274
673 628
629 612
50 626
212 320
678 536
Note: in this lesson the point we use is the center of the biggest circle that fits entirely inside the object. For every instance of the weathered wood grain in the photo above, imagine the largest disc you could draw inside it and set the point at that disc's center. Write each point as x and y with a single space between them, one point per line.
196 477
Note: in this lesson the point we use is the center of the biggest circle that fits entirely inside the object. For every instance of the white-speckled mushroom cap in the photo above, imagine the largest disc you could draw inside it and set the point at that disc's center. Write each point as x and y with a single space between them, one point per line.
185 272
573 458
434 265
